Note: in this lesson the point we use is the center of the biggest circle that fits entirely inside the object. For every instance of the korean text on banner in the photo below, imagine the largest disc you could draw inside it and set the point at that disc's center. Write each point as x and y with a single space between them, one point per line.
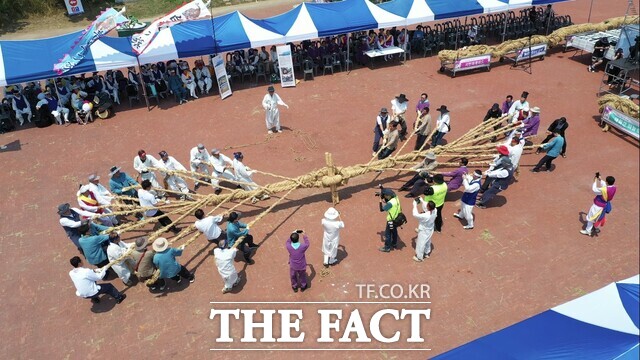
285 65
74 7
221 75
106 22
191 11
621 121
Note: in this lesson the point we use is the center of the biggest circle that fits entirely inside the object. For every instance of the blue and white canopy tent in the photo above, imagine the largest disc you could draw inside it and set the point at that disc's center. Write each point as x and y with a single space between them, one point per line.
600 325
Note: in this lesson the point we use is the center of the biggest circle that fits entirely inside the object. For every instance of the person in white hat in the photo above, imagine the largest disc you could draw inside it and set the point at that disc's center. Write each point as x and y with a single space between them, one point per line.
103 195
222 167
426 225
165 261
224 262
270 104
199 163
331 224
471 185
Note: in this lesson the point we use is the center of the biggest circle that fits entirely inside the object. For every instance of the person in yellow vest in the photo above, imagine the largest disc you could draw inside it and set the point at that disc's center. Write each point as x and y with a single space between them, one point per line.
439 193
393 209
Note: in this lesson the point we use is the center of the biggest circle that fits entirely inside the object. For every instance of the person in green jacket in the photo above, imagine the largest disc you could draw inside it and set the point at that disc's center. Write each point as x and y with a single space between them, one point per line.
439 193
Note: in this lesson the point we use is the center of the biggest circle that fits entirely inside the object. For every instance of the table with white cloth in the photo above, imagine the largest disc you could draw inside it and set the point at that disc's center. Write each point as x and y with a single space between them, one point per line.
391 50
586 41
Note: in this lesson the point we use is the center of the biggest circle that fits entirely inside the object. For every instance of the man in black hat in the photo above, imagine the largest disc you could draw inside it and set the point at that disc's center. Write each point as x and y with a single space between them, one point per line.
514 110
600 48
442 125
71 220
393 208
381 125
398 110
270 104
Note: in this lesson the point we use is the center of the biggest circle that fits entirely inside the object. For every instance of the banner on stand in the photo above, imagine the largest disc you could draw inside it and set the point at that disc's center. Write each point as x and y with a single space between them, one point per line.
74 7
221 76
621 121
536 51
285 65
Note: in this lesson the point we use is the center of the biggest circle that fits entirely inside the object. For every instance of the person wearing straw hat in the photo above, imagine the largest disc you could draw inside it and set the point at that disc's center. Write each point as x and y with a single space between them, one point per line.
426 223
270 104
471 185
224 262
85 281
115 250
331 224
165 261
531 124
443 125
398 110
378 131
143 258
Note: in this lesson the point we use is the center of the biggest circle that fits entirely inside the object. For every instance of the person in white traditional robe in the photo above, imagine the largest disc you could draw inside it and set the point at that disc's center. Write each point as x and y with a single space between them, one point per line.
222 167
471 185
208 225
426 222
199 162
244 174
115 250
517 106
224 261
203 75
142 163
169 165
270 104
516 147
189 82
331 224
88 202
102 195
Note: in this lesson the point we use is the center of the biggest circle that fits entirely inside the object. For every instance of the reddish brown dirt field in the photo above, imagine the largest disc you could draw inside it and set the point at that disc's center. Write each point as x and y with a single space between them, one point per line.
524 256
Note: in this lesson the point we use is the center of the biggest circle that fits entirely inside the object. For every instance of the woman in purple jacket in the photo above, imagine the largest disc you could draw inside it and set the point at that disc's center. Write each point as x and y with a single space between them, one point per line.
297 260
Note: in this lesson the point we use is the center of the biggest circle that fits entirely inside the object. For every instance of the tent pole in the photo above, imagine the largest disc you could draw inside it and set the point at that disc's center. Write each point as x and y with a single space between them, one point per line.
144 86
348 48
504 29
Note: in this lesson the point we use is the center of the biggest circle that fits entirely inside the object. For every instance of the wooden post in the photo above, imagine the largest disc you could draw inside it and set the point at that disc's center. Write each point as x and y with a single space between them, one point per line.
335 198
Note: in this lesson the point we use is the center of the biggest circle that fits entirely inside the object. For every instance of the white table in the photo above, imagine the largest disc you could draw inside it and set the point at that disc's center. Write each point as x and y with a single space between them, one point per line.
391 50
586 42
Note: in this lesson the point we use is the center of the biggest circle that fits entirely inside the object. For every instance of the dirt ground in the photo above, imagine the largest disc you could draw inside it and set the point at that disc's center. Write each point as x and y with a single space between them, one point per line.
524 256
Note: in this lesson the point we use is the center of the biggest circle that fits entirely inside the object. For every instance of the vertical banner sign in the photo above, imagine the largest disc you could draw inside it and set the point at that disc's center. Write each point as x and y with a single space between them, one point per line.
105 22
74 7
285 63
191 11
221 76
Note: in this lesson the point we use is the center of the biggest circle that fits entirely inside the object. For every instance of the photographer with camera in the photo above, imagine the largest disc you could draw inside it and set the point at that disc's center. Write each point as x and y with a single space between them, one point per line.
395 217
426 222
604 191
297 260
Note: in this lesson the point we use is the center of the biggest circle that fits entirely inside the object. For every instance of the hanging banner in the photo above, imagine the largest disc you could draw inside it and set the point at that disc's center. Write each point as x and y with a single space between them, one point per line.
74 7
221 75
191 11
105 22
285 65
621 121
539 50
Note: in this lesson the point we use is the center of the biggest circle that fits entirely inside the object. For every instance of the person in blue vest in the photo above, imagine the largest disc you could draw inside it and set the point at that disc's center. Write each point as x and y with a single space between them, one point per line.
165 261
471 185
21 106
63 92
381 125
54 106
71 219
393 209
502 177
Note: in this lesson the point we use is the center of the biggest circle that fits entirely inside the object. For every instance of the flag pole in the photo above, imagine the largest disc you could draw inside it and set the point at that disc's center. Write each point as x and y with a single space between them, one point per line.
144 86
